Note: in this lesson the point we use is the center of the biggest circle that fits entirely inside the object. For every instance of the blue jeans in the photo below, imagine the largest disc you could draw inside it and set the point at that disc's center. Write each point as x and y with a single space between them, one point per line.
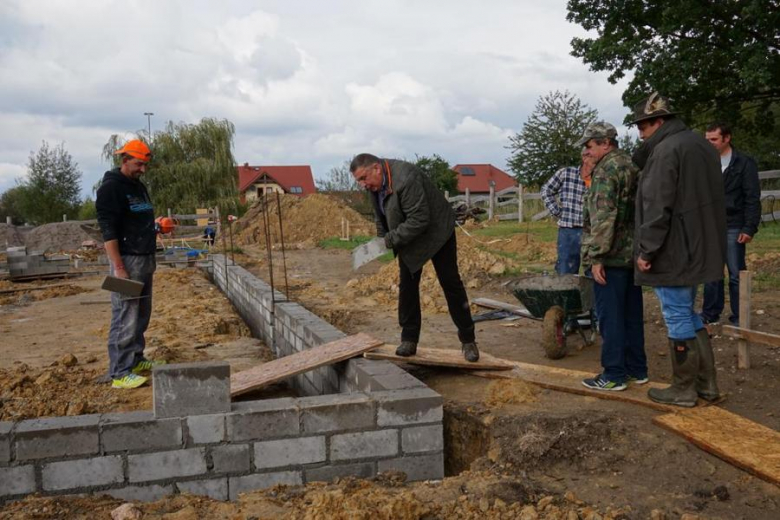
714 295
622 326
569 241
682 322
130 318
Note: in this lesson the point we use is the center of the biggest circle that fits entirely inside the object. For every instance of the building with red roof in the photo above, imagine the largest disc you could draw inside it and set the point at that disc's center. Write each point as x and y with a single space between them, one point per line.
254 181
477 178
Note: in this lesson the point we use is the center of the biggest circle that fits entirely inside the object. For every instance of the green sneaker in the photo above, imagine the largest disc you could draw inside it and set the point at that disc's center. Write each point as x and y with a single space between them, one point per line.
129 381
146 365
631 380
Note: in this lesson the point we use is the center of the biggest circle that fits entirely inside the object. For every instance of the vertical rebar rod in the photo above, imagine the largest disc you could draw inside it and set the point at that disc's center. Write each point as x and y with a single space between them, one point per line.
281 239
224 252
268 249
232 248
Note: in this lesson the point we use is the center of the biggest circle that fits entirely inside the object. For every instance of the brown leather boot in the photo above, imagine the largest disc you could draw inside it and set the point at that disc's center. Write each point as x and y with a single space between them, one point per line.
685 369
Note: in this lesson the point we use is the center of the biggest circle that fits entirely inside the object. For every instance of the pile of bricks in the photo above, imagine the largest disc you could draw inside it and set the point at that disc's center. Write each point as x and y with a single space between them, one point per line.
22 264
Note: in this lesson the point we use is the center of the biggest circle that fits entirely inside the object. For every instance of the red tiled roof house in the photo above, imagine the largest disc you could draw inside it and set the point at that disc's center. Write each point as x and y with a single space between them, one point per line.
254 181
477 178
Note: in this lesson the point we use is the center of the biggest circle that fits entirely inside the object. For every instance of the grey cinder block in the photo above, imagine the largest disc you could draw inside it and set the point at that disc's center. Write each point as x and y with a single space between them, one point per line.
289 452
363 445
140 493
166 464
191 389
261 481
57 437
328 473
400 407
17 480
206 429
5 441
216 488
139 431
336 412
422 438
230 458
71 474
262 419
418 467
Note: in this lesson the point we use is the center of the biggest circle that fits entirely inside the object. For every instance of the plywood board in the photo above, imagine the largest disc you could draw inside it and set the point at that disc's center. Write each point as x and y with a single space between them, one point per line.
440 357
743 443
300 362
570 381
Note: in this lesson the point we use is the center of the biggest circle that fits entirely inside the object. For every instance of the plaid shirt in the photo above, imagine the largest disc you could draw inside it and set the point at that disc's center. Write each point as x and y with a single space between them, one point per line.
570 189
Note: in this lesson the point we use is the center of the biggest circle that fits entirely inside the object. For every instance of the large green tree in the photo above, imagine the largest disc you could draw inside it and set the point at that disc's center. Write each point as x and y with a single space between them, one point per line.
715 59
11 205
439 171
51 187
546 141
192 166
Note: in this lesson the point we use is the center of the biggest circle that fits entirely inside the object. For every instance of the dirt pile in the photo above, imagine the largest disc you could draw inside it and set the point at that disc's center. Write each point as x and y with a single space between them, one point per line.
514 391
10 236
471 495
475 264
33 295
306 220
57 236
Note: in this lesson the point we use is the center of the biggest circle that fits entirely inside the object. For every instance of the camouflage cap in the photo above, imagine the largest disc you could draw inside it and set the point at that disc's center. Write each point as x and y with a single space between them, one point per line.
597 130
655 105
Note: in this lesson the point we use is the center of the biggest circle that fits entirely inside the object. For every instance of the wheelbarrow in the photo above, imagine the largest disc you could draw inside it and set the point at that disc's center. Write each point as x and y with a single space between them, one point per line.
564 304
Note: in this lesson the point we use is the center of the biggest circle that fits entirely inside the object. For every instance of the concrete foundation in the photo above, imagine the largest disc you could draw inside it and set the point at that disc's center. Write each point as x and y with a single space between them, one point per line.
358 417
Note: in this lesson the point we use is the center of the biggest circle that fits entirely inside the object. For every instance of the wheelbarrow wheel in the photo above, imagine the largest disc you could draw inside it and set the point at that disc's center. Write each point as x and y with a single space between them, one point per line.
553 335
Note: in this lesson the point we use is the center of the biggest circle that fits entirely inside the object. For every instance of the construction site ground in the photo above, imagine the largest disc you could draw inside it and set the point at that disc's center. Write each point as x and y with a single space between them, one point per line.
513 450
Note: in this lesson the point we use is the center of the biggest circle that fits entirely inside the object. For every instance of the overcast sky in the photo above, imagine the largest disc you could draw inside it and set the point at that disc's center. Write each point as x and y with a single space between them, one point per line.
304 81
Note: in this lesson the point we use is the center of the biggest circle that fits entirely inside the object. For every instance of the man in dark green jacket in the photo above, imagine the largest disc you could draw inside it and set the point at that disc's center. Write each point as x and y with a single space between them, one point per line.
680 239
418 224
608 249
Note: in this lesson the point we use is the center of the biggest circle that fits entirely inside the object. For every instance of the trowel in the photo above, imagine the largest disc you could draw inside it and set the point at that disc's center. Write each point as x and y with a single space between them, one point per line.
371 250
126 287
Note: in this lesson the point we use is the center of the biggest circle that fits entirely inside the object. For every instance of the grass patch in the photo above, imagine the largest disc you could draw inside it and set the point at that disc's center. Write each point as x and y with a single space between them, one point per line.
767 240
544 231
337 243
386 258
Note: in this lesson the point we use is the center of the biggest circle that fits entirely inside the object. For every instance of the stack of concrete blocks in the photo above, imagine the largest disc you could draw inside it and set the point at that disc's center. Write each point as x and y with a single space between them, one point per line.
358 418
22 264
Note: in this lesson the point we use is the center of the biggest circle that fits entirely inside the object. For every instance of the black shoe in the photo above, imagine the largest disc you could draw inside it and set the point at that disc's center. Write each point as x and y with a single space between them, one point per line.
406 349
470 352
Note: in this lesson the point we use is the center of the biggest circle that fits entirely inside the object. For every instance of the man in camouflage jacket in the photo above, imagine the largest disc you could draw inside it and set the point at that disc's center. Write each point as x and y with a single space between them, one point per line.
607 247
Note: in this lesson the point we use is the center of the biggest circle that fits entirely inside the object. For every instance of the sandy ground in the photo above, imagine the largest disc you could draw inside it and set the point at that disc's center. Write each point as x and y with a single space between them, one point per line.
513 451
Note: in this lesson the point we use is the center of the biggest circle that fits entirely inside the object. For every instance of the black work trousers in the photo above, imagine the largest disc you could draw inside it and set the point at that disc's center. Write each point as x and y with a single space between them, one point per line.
445 262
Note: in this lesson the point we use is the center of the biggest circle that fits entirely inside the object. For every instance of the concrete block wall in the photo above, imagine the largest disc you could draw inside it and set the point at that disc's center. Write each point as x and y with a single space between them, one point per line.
357 418
23 263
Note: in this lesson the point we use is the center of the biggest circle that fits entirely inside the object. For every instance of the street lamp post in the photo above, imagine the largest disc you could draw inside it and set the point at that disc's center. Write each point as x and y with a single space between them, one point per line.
149 123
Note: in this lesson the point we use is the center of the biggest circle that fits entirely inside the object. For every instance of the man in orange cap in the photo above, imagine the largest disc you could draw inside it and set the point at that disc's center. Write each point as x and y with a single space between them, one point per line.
126 218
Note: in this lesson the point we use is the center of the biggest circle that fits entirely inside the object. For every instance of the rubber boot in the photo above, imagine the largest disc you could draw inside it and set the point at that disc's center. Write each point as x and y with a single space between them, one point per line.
706 383
685 368
470 352
406 349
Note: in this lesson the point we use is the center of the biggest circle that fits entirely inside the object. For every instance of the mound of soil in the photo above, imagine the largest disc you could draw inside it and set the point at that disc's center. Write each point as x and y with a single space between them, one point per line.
26 297
10 236
57 236
306 221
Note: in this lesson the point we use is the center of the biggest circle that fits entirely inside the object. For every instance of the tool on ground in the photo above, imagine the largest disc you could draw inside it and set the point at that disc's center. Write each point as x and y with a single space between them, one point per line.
123 286
371 250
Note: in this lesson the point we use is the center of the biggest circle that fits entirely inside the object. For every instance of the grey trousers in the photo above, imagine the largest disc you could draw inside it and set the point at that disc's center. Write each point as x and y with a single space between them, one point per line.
130 318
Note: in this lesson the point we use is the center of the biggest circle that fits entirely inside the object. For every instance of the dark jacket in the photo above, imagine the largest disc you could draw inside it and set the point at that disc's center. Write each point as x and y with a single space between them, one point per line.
125 213
743 194
680 209
417 220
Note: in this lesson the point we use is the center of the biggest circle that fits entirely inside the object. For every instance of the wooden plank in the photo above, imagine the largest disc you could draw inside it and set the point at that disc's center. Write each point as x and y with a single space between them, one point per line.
743 349
769 174
755 336
300 362
519 310
570 381
440 357
540 215
743 443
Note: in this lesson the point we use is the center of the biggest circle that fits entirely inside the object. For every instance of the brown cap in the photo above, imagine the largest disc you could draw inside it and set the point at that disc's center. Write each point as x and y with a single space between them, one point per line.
655 105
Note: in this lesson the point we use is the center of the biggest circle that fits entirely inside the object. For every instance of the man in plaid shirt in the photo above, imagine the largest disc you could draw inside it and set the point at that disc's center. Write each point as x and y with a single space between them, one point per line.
562 195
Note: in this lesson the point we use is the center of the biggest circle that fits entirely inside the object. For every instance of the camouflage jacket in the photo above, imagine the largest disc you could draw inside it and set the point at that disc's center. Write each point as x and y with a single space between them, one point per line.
608 212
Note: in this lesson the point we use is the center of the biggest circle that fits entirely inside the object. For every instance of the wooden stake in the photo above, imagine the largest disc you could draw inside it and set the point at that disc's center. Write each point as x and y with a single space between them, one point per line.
745 291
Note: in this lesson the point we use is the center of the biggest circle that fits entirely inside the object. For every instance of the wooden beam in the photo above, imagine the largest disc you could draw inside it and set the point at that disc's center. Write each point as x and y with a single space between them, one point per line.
743 443
300 362
755 336
745 292
440 357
